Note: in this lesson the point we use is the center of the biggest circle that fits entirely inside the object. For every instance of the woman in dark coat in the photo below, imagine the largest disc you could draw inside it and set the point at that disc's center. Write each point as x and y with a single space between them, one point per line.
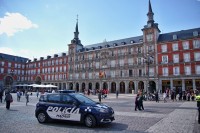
8 99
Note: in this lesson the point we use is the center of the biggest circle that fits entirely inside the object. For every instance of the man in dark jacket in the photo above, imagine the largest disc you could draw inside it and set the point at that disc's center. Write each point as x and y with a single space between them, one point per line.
8 99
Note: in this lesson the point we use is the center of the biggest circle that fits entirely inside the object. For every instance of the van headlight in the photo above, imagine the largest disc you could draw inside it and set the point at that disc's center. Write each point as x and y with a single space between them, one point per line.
102 110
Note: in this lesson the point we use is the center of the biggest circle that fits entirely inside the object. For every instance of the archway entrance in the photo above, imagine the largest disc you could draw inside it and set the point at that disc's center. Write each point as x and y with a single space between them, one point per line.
141 86
77 87
152 86
113 87
90 86
122 87
131 87
96 87
83 87
70 86
105 86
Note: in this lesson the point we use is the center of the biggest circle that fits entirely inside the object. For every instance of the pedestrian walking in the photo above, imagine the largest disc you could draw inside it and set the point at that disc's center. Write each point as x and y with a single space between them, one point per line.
18 96
137 103
141 98
99 96
37 94
117 93
157 97
27 98
8 99
164 97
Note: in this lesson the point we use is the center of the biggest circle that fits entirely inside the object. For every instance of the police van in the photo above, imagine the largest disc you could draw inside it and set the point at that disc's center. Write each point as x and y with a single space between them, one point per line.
72 107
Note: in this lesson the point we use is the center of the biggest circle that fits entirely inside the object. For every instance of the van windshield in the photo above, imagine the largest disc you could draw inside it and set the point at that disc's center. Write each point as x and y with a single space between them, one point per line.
83 99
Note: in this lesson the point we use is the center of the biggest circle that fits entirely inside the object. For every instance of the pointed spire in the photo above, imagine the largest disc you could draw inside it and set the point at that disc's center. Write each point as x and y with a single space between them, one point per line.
150 9
150 14
76 29
76 33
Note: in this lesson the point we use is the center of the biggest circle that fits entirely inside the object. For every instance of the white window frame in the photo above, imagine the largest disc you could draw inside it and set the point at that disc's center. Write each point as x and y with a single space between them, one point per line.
165 60
187 70
197 68
176 58
196 43
164 48
185 45
176 70
165 71
175 46
186 57
197 56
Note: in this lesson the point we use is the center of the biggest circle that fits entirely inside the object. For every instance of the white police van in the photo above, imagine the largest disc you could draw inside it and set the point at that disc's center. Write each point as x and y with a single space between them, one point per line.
73 107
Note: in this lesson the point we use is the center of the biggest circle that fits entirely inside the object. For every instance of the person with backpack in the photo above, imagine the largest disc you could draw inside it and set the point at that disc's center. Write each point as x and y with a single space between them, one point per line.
8 99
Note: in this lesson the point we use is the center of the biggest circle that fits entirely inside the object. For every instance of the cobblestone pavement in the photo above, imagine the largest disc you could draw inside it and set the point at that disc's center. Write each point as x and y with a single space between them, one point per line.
170 117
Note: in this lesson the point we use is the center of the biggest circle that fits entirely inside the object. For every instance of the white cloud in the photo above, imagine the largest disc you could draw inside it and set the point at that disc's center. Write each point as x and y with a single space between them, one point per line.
15 22
7 50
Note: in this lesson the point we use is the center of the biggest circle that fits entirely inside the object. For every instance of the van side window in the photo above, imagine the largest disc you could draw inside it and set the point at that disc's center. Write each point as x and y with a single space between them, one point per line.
54 98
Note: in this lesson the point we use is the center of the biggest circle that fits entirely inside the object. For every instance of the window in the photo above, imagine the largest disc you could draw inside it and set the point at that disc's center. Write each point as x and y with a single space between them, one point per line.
83 75
175 46
132 41
195 33
130 73
139 61
90 75
187 70
165 71
164 59
140 72
197 69
176 58
186 57
164 48
185 45
68 100
197 56
112 63
176 70
130 61
196 43
112 74
150 48
149 37
174 37
151 71
139 50
121 62
54 98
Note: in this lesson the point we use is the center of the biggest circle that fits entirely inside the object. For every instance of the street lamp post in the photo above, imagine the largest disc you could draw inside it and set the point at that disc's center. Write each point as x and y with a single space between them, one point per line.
148 61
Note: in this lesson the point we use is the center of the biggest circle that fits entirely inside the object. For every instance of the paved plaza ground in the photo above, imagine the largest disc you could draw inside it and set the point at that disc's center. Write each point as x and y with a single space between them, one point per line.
170 117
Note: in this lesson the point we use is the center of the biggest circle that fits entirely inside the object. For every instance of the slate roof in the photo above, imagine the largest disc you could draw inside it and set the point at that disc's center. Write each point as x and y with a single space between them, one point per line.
13 58
181 35
119 42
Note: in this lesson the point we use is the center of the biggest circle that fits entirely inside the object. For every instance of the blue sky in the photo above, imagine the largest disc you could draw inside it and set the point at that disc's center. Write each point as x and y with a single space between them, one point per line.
37 28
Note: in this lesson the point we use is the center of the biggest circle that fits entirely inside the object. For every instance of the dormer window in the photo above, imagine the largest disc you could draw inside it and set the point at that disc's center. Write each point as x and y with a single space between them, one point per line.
115 44
141 40
107 46
174 37
123 43
100 47
93 48
195 33
132 41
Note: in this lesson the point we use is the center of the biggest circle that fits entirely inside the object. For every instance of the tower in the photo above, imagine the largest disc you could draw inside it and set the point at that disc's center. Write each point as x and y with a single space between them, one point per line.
150 37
